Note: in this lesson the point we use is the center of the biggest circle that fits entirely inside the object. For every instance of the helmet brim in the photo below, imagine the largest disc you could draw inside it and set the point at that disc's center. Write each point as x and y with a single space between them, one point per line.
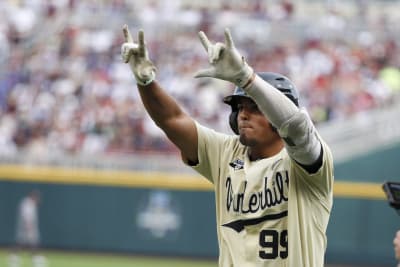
232 99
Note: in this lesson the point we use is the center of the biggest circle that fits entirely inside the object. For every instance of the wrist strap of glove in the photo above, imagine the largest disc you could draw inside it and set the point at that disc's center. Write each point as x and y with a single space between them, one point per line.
145 82
249 81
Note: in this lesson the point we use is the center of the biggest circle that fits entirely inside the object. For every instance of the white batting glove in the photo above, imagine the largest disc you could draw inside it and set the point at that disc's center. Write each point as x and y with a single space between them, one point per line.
226 62
137 57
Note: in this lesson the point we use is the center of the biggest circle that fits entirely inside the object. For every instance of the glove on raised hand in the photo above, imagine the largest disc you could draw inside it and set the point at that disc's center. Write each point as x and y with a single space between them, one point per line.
137 57
226 62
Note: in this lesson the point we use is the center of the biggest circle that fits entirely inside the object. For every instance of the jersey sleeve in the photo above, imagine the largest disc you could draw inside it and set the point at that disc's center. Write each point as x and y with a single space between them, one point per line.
320 183
212 150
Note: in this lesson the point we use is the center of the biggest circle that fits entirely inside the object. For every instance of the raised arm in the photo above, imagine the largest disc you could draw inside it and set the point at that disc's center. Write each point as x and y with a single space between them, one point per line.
293 124
162 108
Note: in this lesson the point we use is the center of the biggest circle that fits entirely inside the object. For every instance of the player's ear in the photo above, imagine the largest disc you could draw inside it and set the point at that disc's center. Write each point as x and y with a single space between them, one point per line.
233 121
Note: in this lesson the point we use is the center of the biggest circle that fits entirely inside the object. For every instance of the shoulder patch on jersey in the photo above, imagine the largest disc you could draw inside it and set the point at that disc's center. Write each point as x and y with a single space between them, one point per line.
237 164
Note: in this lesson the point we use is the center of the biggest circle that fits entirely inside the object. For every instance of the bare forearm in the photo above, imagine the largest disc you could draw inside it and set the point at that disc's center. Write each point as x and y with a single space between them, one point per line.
160 106
167 114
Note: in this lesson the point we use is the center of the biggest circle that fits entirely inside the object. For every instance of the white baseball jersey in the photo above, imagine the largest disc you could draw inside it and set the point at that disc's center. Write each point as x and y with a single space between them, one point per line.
269 212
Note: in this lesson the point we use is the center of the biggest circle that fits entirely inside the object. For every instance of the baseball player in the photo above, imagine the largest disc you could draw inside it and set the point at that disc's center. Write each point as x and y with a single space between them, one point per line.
273 179
27 231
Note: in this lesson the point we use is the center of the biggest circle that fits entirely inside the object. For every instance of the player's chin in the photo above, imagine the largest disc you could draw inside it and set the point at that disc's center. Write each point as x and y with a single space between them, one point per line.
245 140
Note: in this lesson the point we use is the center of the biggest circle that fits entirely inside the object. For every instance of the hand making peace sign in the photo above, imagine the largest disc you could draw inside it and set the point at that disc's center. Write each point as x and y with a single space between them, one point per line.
226 61
137 56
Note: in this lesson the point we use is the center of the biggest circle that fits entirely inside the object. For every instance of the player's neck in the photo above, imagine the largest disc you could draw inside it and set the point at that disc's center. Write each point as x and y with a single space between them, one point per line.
263 152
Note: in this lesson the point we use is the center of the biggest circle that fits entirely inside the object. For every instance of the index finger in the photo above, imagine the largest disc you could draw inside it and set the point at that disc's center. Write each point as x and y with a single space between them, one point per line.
127 35
204 40
141 41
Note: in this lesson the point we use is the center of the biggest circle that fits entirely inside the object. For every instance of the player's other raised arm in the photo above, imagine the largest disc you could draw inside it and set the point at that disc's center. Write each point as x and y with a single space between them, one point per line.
292 124
162 108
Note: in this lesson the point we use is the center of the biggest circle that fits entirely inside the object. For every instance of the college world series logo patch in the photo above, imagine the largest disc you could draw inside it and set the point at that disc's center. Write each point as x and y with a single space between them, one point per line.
159 215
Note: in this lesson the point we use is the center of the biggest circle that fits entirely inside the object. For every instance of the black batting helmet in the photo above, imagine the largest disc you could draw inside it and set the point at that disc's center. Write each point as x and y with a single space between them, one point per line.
278 81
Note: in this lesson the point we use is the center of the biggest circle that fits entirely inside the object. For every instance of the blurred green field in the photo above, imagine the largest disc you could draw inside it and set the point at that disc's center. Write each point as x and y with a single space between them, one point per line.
69 259
80 259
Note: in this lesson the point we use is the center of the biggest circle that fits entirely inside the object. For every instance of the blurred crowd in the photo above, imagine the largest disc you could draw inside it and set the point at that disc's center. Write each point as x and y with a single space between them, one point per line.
64 88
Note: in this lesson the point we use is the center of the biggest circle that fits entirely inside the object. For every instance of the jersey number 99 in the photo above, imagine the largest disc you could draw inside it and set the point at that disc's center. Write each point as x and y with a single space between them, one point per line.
273 244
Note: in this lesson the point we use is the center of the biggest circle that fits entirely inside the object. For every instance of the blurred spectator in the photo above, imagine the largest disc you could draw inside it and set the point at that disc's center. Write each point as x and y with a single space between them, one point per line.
64 89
